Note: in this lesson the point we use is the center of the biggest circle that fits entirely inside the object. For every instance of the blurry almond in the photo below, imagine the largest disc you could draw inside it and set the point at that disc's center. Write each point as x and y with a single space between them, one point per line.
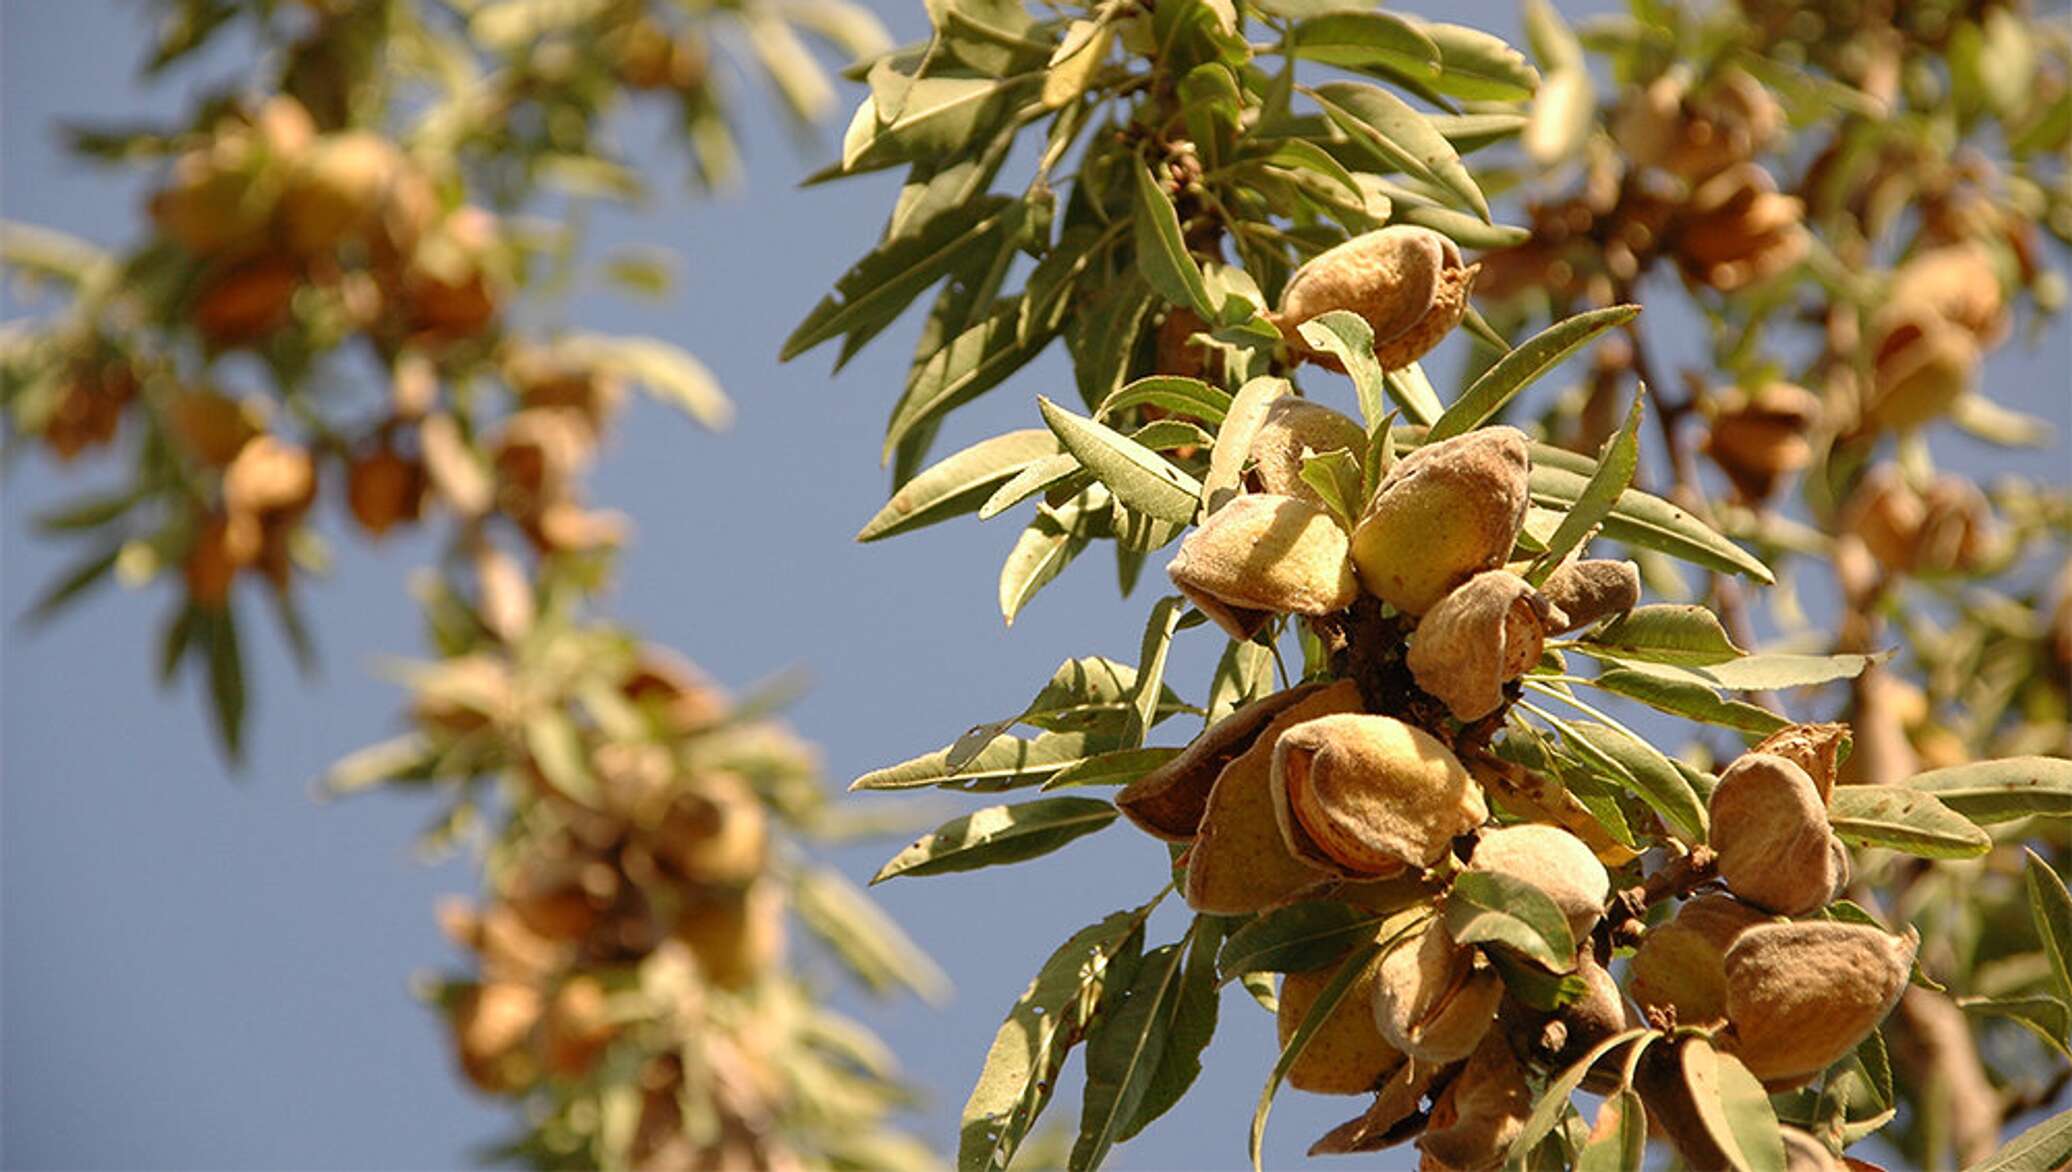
1588 590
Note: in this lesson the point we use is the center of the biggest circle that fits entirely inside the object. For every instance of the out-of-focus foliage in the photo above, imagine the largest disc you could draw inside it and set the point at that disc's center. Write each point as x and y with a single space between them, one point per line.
349 293
1438 804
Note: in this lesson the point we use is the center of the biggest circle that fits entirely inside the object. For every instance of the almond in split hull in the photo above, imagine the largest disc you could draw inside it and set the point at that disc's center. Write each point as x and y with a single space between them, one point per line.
1239 862
1168 802
1369 796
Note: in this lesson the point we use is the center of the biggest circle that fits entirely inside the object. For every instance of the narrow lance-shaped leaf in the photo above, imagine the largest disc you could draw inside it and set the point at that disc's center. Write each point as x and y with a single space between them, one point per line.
1296 938
1524 366
1139 477
959 483
1904 820
2045 1147
1123 1051
1328 997
1615 467
1638 518
1194 1012
1005 762
1162 255
1030 1048
2052 906
2002 790
1400 134
1348 337
1553 1102
1484 907
866 940
1040 554
998 835
1667 633
1151 664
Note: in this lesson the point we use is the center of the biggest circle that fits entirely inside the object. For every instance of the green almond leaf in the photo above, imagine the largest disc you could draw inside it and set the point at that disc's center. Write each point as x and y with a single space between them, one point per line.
1767 671
1689 700
1650 774
1006 339
1639 518
227 682
868 942
1303 155
1007 762
959 483
1990 792
1523 366
2045 1147
1041 1028
1091 693
1162 256
88 512
1472 132
1234 438
941 116
1412 391
1475 66
877 288
1401 135
1753 673
1461 228
1616 464
1117 768
1192 1027
1139 477
1347 336
1553 1102
1487 908
2052 907
1619 1138
998 835
1328 997
1124 1047
1901 819
73 584
1336 477
1359 40
1296 938
1733 1107
2049 1018
1689 636
1169 392
1035 477
1151 664
1040 554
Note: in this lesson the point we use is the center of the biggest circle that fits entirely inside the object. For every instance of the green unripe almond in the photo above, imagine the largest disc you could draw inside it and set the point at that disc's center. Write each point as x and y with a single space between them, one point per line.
1444 513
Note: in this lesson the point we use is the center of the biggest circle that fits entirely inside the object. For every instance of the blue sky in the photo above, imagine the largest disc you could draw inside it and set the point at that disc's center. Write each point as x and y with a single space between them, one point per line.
204 971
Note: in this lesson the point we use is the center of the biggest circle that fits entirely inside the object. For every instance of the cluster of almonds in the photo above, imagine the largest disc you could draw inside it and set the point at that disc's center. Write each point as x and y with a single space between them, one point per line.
1316 792
1685 186
625 909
